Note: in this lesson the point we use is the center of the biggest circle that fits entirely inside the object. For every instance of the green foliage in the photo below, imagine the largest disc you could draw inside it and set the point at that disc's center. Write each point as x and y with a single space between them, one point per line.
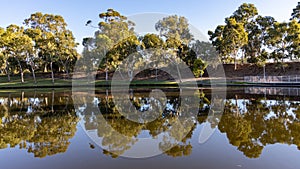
229 39
175 27
198 67
41 131
296 13
54 43
267 40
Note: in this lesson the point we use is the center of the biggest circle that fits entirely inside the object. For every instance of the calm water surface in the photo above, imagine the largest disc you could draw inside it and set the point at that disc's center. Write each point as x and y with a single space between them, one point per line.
259 128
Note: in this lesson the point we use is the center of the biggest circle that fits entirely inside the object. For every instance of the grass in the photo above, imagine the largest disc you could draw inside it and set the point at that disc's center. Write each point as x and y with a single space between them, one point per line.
15 83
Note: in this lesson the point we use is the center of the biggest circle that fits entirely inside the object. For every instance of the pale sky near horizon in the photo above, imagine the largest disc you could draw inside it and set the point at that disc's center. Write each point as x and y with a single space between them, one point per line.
203 14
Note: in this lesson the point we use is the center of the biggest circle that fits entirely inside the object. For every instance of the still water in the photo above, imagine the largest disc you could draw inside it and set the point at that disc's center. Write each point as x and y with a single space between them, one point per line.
46 129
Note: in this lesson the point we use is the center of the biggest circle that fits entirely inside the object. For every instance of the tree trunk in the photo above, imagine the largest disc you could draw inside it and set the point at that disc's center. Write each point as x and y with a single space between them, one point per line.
179 75
235 64
45 68
33 74
21 72
121 74
7 72
52 74
67 71
106 74
66 68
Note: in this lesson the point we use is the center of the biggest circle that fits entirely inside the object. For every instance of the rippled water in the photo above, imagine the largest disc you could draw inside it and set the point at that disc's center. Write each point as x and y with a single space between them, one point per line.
46 129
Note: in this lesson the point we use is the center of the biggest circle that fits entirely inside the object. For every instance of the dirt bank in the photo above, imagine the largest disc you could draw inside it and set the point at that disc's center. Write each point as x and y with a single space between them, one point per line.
271 69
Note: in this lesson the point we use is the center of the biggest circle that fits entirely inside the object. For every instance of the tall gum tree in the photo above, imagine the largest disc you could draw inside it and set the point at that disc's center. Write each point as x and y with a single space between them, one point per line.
18 46
55 42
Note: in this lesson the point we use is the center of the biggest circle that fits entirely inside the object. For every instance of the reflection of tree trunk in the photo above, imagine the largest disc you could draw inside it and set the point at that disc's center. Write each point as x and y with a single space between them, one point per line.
106 97
52 74
67 103
106 74
9 99
156 73
236 106
21 101
52 101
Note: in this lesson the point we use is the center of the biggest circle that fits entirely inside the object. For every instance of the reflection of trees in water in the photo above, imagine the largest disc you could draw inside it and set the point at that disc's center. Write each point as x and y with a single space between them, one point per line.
41 124
120 134
254 124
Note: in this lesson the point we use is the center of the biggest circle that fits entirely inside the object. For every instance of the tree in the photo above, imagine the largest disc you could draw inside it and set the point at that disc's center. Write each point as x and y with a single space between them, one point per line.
54 41
229 39
245 13
33 60
68 54
257 32
18 46
3 57
156 46
175 27
207 52
113 32
283 41
294 38
296 13
178 37
198 67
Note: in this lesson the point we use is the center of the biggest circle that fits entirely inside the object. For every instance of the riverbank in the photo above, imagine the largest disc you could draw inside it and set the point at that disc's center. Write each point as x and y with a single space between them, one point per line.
160 78
204 82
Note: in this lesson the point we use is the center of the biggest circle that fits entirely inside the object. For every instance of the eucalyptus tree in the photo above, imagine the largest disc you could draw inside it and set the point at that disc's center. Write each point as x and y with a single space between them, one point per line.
294 38
178 38
229 39
207 52
54 39
113 32
175 27
68 53
282 39
154 46
296 13
257 38
245 13
33 60
18 46
3 58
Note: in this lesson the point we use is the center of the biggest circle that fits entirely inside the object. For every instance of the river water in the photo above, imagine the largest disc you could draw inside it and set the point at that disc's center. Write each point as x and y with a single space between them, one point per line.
53 129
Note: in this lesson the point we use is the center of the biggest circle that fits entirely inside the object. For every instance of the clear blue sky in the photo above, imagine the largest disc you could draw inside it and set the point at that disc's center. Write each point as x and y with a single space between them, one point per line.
203 14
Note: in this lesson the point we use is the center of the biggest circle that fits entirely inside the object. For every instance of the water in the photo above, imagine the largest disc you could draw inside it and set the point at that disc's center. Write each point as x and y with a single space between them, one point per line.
50 129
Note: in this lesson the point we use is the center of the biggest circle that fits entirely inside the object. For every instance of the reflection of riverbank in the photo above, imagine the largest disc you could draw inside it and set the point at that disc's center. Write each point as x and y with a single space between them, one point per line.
273 91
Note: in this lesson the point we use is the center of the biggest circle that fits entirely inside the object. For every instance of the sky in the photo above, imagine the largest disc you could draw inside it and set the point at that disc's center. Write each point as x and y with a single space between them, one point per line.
204 15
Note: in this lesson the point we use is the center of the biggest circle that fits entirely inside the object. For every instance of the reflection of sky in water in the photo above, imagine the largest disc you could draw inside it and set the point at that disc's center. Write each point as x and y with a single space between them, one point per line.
242 105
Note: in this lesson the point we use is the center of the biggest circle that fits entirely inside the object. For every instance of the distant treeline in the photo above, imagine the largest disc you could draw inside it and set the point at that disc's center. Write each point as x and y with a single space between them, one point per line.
45 44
